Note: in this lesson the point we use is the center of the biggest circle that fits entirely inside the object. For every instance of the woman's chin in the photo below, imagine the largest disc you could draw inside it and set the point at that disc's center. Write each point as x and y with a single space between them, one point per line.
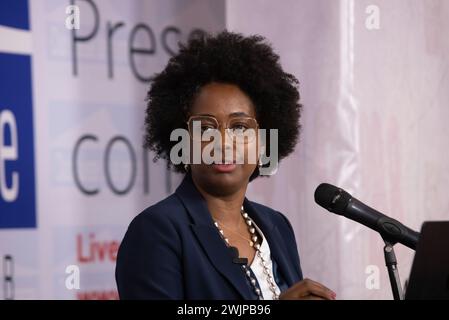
222 179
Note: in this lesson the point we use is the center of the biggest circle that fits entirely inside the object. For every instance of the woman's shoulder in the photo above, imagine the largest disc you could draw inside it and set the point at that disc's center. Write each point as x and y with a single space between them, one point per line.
168 210
275 216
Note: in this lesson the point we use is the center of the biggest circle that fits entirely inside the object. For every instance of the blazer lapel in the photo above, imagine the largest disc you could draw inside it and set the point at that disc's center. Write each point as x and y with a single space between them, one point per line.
209 238
221 258
275 241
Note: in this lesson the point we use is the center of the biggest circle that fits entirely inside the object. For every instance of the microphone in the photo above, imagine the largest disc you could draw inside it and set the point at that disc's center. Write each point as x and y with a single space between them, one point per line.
338 201
235 256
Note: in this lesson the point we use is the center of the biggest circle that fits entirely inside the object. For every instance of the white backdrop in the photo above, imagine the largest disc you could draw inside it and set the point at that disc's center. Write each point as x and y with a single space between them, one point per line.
373 123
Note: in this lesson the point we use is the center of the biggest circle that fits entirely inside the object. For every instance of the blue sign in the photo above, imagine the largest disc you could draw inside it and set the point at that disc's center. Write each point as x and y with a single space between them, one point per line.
17 174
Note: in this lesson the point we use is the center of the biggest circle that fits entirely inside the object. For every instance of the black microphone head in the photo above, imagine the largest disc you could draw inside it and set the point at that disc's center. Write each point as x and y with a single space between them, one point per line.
332 198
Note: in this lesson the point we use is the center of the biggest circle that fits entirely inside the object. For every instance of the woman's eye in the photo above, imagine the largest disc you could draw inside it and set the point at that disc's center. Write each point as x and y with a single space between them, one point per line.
240 126
207 129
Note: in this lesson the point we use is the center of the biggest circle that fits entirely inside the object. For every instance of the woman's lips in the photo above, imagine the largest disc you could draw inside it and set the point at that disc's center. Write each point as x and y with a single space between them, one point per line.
224 167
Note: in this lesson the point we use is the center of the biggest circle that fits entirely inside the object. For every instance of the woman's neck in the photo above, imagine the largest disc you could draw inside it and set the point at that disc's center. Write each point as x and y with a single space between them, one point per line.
225 209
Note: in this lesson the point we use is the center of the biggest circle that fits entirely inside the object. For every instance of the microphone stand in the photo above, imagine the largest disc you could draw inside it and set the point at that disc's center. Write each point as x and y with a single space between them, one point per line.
391 263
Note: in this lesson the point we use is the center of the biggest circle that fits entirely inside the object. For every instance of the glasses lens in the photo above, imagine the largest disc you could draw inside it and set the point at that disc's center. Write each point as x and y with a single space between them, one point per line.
199 125
243 130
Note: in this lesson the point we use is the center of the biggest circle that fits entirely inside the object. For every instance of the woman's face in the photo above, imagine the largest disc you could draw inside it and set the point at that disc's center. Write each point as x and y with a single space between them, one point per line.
229 106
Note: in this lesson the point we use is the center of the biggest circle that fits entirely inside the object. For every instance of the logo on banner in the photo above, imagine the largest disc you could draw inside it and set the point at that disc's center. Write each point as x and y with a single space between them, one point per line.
17 174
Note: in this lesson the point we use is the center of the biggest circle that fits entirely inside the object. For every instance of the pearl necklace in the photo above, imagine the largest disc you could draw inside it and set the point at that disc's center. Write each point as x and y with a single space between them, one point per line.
254 242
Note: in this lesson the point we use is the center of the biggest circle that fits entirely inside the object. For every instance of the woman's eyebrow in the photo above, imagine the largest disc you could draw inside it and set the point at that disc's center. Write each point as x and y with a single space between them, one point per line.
239 114
234 114
204 114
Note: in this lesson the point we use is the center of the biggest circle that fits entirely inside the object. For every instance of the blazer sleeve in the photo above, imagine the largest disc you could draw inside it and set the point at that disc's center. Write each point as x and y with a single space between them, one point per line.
148 261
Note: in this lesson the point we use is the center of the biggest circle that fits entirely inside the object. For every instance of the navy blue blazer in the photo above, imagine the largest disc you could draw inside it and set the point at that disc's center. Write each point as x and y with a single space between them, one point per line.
172 250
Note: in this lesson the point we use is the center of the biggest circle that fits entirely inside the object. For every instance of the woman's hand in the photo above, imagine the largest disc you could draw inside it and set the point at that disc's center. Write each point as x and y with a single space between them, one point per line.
308 290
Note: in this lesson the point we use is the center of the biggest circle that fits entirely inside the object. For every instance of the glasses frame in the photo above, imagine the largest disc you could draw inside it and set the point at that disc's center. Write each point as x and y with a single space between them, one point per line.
227 130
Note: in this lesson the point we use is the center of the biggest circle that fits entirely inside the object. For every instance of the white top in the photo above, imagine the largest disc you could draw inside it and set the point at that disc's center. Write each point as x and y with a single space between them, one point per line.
256 267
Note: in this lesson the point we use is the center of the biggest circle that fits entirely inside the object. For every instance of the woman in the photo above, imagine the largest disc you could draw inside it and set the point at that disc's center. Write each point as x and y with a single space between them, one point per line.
207 241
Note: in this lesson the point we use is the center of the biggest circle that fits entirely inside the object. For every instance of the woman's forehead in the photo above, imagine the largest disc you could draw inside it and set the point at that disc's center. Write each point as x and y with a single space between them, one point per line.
222 100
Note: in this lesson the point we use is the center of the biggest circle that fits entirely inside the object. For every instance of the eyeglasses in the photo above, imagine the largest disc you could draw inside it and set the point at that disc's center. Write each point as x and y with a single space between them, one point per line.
239 129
